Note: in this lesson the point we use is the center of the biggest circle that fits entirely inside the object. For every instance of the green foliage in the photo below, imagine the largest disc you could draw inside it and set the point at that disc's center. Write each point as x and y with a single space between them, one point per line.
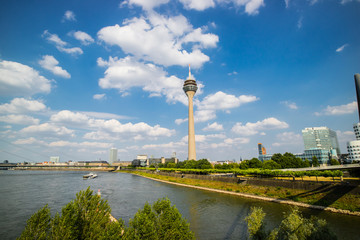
315 161
271 164
38 225
334 162
293 226
256 225
255 163
161 221
88 217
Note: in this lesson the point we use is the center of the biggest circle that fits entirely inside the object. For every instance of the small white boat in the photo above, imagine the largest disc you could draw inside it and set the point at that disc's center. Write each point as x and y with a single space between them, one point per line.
90 176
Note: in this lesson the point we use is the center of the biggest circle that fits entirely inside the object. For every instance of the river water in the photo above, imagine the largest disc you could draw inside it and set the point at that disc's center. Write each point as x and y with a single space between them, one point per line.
211 215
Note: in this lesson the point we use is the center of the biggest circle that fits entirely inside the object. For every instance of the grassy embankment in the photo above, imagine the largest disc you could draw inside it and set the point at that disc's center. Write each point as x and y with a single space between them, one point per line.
326 197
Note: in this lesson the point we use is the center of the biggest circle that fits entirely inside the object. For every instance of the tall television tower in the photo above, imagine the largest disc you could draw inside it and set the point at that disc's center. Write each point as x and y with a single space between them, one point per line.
190 88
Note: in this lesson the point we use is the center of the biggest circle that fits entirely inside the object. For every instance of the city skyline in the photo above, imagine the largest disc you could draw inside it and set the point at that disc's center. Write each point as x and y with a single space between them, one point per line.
77 79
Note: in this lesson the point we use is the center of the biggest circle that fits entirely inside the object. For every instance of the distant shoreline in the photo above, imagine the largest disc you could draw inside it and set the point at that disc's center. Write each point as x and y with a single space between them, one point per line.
268 199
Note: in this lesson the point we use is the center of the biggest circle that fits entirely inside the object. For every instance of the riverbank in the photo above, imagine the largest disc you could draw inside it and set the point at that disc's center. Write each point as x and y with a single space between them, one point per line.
323 199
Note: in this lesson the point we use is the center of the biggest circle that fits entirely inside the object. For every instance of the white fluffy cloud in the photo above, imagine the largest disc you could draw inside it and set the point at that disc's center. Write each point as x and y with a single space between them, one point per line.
288 138
214 127
126 73
50 63
48 130
60 44
83 37
254 128
18 79
19 119
99 96
199 5
69 16
141 37
206 109
290 105
339 110
223 101
22 105
104 128
251 7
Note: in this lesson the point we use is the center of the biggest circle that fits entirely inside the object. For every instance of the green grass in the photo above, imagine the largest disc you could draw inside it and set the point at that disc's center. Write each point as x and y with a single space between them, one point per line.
325 197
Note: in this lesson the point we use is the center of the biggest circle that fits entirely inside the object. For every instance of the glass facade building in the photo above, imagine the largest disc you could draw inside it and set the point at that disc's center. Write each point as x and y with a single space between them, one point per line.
320 138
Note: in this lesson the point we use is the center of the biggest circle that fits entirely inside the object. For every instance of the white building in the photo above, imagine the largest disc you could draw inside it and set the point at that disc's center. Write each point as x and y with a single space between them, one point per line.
113 157
356 127
353 148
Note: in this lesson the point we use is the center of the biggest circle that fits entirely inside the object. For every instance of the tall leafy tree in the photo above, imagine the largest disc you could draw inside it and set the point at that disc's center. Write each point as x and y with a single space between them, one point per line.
293 226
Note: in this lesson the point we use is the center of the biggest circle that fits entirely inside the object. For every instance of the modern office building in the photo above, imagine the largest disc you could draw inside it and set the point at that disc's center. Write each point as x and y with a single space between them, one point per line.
321 138
55 159
356 128
113 156
262 149
353 148
190 88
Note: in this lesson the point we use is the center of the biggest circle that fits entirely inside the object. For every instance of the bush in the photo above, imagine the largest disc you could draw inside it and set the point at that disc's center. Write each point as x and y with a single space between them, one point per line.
293 226
88 217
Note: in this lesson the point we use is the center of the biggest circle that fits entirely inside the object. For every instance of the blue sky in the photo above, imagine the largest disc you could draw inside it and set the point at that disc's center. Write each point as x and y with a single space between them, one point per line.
80 77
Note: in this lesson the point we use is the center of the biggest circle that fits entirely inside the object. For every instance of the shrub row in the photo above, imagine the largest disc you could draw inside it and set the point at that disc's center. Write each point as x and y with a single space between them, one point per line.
254 172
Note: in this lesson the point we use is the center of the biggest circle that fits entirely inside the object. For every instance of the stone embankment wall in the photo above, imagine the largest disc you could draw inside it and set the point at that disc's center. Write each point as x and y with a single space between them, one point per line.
267 182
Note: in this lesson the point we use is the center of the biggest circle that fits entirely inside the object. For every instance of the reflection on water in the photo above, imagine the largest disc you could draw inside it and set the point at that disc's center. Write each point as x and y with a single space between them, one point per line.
211 215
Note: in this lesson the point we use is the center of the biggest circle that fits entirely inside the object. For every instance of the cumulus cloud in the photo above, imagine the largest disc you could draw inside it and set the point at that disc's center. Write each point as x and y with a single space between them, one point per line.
99 96
106 127
206 109
288 138
254 128
227 143
339 110
19 119
50 63
69 16
141 37
214 127
126 73
48 130
18 79
60 44
180 121
22 105
290 104
80 144
83 37
340 49
199 5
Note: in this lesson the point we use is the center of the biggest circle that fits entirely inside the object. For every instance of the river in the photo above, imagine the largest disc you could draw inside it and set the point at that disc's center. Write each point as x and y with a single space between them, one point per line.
211 215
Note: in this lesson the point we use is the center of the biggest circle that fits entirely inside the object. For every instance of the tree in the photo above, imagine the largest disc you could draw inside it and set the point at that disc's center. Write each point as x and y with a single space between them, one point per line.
270 164
255 163
161 221
306 163
88 217
334 162
315 162
38 225
293 226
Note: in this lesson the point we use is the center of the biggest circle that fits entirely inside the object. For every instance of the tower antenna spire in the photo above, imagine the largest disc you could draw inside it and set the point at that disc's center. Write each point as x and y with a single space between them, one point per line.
189 72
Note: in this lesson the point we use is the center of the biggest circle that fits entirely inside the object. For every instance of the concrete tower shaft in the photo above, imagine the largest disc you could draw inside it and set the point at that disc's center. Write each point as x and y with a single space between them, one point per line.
190 88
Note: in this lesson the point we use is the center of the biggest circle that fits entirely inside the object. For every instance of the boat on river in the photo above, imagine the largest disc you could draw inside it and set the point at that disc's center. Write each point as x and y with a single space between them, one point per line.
90 176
